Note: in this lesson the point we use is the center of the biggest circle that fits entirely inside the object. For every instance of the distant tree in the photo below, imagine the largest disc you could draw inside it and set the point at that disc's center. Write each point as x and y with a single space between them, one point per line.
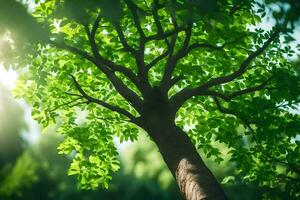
165 66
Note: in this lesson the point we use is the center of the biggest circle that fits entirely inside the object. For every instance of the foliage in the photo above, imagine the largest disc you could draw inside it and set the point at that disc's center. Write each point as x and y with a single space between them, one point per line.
226 82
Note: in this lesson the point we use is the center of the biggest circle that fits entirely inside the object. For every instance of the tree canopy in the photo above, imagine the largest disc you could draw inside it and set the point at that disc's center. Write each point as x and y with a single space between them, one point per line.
222 79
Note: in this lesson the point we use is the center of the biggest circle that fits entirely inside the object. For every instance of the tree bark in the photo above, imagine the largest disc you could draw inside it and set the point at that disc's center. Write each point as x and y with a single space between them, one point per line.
195 180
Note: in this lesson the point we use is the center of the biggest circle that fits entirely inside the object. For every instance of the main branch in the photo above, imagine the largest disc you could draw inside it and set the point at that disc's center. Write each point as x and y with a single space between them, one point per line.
185 94
108 68
103 61
172 61
100 102
134 8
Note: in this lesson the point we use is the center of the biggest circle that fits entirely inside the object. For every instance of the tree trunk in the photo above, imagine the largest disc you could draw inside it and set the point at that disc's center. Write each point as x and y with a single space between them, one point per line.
194 179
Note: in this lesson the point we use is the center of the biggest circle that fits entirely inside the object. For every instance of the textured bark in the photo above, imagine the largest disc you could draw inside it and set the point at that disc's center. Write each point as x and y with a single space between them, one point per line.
194 179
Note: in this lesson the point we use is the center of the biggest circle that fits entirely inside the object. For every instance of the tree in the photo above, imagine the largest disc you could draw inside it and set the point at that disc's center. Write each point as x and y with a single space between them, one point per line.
164 67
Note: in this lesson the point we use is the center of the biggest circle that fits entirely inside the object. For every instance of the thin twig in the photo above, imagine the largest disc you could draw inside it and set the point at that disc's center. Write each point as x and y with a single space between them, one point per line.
64 104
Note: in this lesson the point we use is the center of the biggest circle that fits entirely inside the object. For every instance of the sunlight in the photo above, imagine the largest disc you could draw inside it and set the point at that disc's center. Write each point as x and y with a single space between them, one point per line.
8 78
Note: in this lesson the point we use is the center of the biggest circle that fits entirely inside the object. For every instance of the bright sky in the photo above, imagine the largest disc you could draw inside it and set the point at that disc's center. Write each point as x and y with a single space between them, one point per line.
8 79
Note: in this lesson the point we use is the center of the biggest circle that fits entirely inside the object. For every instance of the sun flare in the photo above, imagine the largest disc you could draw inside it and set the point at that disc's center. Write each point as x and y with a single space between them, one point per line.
7 77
